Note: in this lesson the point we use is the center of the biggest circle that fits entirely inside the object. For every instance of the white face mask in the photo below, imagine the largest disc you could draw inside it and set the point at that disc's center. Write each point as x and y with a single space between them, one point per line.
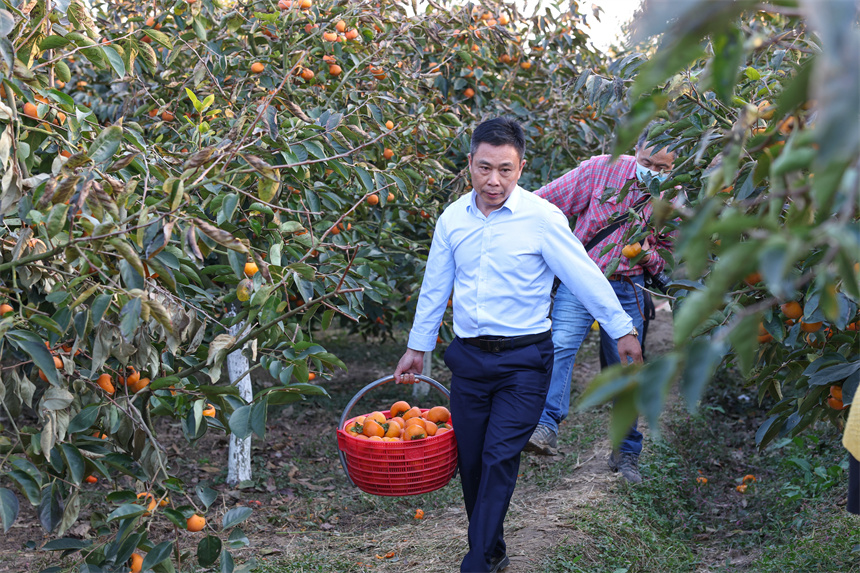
644 175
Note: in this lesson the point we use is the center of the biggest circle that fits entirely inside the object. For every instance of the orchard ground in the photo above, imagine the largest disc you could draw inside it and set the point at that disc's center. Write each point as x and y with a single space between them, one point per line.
569 513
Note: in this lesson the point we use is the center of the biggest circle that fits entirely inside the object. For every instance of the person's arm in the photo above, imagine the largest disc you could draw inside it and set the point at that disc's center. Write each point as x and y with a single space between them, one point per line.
571 192
566 257
432 301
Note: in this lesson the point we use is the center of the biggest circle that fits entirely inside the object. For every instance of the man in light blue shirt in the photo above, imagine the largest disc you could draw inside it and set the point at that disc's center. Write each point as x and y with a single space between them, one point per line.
499 248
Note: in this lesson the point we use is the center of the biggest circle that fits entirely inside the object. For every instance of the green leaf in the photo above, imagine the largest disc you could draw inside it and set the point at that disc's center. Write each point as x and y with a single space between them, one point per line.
75 462
61 69
654 381
206 495
258 418
208 550
52 42
34 347
115 60
236 516
743 337
159 37
726 63
157 554
364 176
703 357
8 508
51 507
66 544
130 317
240 422
609 383
623 415
105 145
125 511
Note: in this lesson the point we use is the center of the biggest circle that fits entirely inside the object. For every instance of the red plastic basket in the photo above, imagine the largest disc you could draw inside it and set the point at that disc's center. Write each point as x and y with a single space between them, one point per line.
397 468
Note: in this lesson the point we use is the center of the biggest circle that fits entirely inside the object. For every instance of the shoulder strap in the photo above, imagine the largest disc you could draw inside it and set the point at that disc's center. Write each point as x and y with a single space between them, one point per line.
614 224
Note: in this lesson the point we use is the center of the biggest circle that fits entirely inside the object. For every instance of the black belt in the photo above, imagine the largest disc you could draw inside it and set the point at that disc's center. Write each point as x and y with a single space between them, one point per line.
499 343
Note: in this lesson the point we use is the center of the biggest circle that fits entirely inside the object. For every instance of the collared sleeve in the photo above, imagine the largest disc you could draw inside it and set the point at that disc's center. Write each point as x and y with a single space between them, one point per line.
435 290
566 257
571 192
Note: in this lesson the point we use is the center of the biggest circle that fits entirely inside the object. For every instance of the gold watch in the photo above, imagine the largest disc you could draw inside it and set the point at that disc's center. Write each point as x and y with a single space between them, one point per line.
634 332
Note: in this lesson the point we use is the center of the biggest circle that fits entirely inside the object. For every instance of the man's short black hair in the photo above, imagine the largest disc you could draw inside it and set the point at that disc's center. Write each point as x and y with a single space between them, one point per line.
497 132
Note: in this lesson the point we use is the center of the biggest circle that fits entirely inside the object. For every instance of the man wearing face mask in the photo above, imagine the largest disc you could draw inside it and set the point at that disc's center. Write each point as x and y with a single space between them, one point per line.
592 194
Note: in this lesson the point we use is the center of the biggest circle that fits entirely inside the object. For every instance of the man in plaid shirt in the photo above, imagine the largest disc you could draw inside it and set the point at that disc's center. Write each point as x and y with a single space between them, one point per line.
591 193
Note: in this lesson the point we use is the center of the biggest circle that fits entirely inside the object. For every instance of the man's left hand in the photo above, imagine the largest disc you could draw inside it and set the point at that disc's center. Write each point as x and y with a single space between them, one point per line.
629 348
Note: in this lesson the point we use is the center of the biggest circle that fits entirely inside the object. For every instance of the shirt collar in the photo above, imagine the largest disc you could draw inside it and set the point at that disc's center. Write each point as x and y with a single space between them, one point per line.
511 203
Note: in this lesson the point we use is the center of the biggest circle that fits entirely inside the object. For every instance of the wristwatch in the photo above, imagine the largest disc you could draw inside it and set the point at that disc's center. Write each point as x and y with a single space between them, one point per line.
634 332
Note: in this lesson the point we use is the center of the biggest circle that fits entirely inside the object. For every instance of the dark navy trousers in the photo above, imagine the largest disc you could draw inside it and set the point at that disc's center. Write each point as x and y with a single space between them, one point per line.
496 402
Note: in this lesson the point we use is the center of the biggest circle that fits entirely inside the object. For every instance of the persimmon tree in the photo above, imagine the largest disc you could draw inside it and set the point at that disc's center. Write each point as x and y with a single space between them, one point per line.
760 97
173 170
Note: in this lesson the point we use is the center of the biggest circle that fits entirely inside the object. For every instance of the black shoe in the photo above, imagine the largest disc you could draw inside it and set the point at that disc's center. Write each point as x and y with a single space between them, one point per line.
627 464
500 563
543 441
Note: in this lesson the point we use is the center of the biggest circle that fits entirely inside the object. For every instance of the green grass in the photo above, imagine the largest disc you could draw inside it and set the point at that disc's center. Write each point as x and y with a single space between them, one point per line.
789 519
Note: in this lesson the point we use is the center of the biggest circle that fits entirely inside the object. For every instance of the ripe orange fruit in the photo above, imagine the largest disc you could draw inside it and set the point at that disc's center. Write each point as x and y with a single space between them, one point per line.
741 488
792 310
388 153
413 412
351 34
139 385
414 432
257 68
504 20
836 392
209 411
377 417
835 403
749 478
335 70
136 562
133 378
148 496
415 422
430 427
438 414
195 523
340 26
379 74
167 116
765 338
311 376
810 326
701 480
251 269
105 382
765 110
753 279
419 514
390 197
389 124
399 408
306 4
60 119
91 479
30 110
329 36
373 199
6 309
468 92
307 74
394 430
631 251
373 428
525 65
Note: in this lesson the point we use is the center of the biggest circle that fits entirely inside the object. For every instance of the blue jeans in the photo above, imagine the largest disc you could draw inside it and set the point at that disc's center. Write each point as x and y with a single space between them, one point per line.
571 323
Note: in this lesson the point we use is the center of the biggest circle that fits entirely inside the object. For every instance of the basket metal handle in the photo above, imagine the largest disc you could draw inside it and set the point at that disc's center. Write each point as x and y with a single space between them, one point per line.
360 394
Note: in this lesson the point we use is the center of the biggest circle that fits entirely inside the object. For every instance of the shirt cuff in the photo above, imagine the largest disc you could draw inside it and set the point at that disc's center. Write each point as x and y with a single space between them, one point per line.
421 342
619 327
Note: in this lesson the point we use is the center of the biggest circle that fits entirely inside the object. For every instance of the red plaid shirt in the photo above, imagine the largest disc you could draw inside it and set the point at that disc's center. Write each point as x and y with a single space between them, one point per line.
578 193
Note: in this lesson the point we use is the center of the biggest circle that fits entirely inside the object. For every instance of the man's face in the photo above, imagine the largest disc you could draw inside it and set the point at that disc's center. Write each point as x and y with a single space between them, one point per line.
495 171
661 161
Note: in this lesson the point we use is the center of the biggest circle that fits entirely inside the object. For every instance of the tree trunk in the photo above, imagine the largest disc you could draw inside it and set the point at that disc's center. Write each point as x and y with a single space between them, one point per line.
239 457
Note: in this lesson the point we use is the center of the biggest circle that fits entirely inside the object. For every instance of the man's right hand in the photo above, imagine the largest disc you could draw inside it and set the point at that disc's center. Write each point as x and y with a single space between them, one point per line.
411 363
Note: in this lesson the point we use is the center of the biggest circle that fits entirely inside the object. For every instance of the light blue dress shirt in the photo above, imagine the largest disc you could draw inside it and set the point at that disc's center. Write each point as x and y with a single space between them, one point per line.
501 269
